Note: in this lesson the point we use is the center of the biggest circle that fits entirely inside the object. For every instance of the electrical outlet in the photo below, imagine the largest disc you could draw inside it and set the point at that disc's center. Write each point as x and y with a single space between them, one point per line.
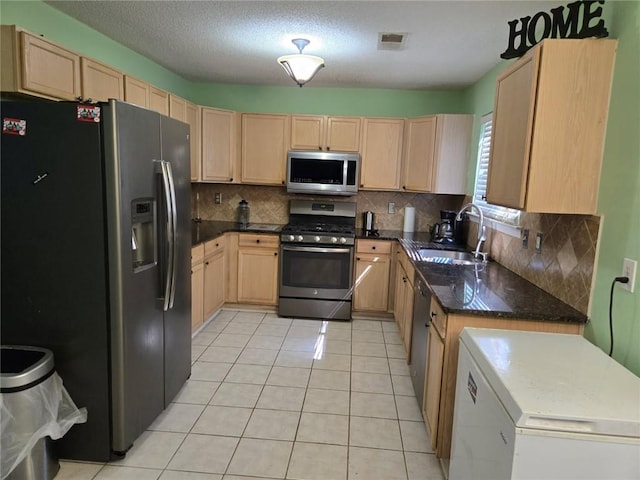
218 199
525 238
629 268
392 207
539 236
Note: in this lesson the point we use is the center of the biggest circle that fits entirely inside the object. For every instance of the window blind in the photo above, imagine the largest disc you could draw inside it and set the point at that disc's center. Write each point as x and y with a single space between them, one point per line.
495 212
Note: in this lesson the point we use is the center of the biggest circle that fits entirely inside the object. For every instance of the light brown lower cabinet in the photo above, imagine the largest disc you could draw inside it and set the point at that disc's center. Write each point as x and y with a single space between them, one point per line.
197 286
258 268
403 299
440 376
213 276
371 275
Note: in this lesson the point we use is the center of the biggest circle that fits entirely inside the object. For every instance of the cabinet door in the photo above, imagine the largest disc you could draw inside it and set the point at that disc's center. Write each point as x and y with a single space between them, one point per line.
381 153
213 283
100 82
219 140
433 384
136 91
197 296
265 139
451 160
258 275
420 141
307 132
49 69
158 100
511 132
372 282
399 289
407 315
343 134
177 108
195 146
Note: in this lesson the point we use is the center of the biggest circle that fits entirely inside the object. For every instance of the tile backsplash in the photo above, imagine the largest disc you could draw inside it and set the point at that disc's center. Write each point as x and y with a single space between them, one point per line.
271 204
565 266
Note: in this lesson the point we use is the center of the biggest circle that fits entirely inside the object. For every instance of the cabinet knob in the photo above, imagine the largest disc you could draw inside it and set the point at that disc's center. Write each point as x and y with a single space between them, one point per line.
206 263
358 258
404 187
282 182
433 314
373 247
319 147
361 185
257 240
328 148
217 245
275 254
231 179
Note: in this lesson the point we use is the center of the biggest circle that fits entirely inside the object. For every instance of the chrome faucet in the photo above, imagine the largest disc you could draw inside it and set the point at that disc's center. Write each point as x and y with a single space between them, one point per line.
482 230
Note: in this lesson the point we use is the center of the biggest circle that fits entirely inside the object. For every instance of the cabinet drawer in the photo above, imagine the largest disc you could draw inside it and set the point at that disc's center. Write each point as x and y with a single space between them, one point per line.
213 246
438 317
258 240
373 246
197 254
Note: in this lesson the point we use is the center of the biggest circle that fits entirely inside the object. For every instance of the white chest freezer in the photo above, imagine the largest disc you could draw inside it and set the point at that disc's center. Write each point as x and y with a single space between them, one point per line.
542 406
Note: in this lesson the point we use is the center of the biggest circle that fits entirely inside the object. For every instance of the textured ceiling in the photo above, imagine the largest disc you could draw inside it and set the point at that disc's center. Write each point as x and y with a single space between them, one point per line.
449 44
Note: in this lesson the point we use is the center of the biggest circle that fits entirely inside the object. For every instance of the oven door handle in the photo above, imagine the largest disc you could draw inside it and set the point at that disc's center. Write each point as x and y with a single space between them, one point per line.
316 249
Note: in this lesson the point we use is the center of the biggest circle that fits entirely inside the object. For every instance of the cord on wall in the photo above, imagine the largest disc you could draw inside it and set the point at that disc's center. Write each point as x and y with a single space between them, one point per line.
613 284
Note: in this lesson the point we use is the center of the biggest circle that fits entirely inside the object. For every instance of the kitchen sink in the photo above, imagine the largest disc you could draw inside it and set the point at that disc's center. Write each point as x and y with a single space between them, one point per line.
447 257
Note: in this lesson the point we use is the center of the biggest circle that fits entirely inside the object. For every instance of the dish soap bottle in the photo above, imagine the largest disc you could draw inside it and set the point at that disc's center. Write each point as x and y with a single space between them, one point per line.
243 213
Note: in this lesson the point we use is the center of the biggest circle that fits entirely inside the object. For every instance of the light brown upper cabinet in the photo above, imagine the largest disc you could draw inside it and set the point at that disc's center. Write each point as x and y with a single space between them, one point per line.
100 82
219 145
158 100
381 150
436 153
265 141
36 66
318 132
195 145
136 91
177 107
549 124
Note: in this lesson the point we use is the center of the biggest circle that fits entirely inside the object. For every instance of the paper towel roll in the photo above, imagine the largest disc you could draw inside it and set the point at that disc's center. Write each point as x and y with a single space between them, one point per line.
409 219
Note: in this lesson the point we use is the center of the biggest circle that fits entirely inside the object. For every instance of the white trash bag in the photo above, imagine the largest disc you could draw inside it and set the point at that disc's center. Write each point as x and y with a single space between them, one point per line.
49 412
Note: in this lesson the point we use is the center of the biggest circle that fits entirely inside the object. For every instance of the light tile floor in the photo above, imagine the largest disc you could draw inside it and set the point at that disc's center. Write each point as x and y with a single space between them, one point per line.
278 398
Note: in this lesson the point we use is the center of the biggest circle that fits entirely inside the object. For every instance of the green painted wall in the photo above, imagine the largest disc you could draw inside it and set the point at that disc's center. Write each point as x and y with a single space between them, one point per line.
619 197
42 19
329 101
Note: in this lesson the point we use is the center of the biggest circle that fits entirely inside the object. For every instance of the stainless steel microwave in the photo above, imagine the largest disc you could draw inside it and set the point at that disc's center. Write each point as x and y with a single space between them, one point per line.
324 173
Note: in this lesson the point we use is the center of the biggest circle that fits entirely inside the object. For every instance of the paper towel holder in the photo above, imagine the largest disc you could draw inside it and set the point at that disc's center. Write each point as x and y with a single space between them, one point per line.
409 219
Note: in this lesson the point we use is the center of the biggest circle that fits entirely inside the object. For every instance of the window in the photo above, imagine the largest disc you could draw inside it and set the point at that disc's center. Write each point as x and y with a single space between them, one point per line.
495 212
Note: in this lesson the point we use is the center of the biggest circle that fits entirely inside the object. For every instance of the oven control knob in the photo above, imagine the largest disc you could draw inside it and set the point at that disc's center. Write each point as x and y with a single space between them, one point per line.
334 240
300 238
316 238
343 240
292 238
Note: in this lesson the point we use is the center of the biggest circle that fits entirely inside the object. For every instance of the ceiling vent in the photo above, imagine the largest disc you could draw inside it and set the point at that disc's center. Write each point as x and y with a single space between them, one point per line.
391 41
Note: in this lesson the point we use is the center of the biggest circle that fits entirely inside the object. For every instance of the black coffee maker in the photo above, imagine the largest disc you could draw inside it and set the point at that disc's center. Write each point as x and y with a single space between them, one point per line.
449 231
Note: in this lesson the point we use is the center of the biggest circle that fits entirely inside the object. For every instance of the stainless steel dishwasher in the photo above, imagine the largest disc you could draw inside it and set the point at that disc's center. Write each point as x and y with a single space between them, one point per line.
420 336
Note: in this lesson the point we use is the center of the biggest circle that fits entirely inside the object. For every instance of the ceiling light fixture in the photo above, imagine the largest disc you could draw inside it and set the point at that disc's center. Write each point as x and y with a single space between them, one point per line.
301 68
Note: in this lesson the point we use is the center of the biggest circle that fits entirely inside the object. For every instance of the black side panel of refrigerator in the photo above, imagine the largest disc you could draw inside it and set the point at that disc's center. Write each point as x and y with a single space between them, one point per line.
54 265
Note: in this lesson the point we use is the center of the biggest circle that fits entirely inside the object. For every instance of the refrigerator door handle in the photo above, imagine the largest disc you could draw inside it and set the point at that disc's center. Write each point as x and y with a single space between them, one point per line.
174 233
170 235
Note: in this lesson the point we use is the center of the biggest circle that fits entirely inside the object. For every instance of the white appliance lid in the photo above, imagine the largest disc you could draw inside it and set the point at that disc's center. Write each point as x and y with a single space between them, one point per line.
557 382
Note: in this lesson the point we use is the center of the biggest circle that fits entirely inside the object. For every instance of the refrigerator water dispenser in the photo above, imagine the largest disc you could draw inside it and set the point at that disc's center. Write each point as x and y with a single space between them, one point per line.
143 234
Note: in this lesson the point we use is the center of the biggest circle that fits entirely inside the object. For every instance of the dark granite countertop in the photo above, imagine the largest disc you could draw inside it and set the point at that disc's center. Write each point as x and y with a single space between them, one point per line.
206 230
487 289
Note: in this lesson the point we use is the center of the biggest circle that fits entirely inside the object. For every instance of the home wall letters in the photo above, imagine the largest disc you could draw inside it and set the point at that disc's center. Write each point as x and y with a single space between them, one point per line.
577 24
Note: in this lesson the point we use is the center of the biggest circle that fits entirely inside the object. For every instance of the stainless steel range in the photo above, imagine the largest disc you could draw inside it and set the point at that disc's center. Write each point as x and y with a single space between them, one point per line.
316 260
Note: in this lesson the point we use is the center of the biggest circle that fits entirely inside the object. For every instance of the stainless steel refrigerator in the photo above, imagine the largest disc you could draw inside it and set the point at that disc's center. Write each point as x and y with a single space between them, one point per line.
96 259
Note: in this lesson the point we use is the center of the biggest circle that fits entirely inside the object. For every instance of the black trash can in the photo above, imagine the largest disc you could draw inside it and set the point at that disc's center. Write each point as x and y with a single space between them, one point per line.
23 368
